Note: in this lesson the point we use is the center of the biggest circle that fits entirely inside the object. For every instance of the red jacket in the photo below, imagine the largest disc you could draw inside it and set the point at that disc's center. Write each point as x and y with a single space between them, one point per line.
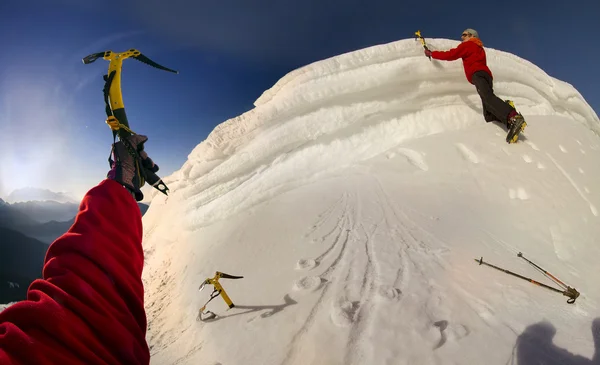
89 306
472 54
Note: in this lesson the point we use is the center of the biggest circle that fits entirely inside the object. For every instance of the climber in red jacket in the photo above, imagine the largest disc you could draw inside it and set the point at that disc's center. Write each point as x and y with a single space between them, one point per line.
89 306
475 64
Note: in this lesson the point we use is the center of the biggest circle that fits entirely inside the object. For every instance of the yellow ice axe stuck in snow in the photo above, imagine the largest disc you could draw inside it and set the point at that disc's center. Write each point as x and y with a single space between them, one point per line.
113 98
218 290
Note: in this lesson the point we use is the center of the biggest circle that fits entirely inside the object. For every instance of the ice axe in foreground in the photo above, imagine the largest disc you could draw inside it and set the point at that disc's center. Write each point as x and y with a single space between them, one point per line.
204 314
115 109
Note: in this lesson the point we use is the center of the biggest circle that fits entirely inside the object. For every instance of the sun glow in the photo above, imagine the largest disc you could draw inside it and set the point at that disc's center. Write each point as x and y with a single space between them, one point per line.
33 139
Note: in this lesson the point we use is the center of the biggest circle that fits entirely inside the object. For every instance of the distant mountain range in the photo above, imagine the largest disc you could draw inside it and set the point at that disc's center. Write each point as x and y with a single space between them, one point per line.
26 229
47 211
21 260
42 220
36 194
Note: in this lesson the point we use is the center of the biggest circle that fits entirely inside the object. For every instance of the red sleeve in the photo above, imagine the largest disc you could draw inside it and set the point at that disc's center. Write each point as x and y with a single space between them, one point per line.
89 306
451 55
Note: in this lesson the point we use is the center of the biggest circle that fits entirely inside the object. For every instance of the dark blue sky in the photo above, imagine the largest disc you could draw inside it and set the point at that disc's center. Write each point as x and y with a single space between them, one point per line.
52 131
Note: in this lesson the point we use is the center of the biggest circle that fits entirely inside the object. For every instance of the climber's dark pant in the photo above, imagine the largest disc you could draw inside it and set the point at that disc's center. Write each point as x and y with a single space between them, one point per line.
494 108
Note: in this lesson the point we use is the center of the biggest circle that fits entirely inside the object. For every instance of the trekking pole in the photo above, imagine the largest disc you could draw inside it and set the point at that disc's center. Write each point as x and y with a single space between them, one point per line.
419 37
544 271
571 292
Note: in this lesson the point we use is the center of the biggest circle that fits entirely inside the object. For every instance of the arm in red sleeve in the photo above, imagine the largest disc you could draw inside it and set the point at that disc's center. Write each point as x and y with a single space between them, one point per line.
451 55
89 306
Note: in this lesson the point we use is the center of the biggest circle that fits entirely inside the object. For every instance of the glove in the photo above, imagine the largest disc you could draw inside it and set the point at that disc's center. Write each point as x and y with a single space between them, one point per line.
428 53
130 164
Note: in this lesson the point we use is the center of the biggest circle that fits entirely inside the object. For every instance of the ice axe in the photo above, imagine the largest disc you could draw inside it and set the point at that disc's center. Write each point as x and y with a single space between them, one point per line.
218 290
113 98
419 37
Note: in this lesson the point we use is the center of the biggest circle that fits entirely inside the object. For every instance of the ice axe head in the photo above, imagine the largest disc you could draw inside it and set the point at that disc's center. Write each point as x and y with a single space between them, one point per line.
93 57
207 281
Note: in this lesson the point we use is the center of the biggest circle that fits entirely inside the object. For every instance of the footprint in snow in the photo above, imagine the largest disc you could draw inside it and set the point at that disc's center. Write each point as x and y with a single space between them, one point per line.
445 332
306 264
442 325
389 292
308 283
415 158
466 153
343 311
527 159
541 166
581 171
519 193
562 148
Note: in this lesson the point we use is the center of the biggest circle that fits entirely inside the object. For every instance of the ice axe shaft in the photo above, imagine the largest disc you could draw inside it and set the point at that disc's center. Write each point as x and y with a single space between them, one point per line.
419 37
113 100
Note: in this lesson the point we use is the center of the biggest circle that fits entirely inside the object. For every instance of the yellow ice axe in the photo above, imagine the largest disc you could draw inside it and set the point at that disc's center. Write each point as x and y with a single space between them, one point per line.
218 290
113 98
112 87
419 37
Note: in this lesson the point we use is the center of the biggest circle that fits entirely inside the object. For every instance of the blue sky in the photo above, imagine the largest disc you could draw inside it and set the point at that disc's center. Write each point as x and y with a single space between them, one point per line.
52 131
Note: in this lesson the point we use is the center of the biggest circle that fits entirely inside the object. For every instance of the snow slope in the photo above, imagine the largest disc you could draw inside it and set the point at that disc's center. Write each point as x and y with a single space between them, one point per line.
353 200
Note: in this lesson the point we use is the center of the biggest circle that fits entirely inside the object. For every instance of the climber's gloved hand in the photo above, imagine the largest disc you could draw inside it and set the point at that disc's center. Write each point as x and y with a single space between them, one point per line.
428 53
130 164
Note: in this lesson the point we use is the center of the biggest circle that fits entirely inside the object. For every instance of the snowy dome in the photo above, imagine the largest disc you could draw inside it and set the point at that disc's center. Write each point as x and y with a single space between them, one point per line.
353 199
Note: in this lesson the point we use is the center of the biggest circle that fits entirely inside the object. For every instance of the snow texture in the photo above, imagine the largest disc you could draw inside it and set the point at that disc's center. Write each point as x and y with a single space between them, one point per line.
354 199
